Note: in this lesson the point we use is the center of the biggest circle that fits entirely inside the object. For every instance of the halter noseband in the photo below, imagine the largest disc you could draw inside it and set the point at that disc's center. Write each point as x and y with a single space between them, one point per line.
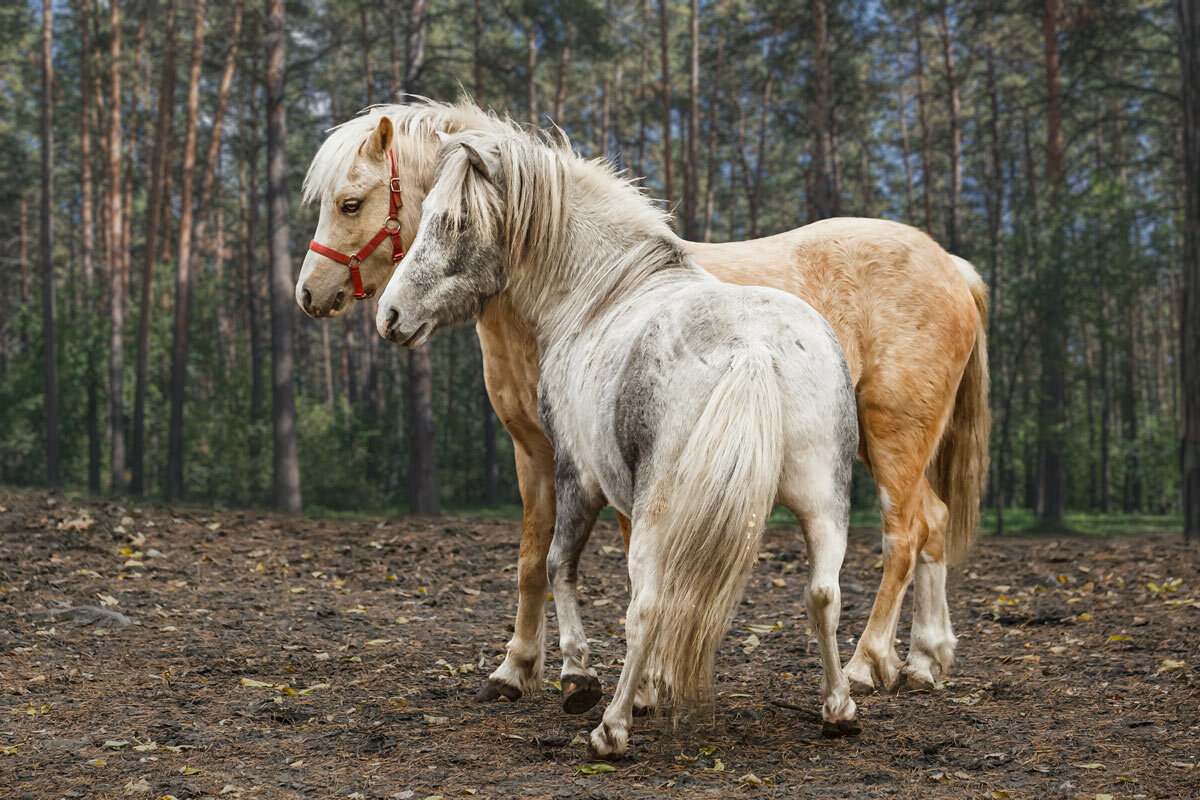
391 227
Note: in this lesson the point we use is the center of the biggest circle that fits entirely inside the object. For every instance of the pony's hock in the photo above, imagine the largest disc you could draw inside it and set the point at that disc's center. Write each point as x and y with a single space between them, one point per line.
690 405
911 320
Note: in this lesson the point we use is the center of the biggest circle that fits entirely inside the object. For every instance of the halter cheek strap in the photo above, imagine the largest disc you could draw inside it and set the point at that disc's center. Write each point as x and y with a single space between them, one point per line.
391 228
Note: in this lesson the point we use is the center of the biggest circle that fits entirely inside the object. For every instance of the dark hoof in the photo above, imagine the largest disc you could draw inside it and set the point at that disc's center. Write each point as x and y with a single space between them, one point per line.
580 693
836 730
494 690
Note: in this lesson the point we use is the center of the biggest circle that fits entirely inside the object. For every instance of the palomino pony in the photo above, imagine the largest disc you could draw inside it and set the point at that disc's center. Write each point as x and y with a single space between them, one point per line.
691 405
910 319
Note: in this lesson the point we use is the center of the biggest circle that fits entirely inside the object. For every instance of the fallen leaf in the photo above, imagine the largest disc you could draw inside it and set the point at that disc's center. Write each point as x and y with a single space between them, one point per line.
139 787
470 591
115 744
595 769
718 766
1169 665
1089 766
373 642
188 771
435 720
253 684
107 600
1120 638
750 779
7 750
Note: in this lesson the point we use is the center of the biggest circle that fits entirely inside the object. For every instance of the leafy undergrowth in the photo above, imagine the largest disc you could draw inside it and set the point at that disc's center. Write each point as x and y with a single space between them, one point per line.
190 653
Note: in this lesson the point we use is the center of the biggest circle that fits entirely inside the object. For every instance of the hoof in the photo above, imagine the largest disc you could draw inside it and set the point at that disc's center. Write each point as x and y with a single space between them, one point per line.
844 727
494 690
915 680
580 693
607 743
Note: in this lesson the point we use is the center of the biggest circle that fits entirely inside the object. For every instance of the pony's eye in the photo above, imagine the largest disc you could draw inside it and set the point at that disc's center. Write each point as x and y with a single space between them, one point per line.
351 206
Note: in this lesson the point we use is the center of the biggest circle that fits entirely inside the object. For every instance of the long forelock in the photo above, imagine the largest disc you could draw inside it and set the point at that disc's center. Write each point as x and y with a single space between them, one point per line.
333 165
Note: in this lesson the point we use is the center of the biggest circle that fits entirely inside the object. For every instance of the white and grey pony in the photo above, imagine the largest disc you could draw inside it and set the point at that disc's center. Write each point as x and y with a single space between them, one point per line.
690 405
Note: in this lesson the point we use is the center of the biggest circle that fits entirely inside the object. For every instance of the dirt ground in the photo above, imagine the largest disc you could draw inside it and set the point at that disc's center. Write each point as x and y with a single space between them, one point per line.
190 653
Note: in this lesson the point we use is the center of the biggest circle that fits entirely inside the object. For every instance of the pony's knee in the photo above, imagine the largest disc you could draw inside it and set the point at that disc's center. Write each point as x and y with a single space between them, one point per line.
822 596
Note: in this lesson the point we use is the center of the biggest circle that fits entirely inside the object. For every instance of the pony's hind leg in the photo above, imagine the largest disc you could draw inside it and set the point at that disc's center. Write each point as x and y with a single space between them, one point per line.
826 540
931 654
577 509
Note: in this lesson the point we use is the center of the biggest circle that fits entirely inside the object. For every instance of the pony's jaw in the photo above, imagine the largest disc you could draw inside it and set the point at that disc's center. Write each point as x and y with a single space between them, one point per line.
324 288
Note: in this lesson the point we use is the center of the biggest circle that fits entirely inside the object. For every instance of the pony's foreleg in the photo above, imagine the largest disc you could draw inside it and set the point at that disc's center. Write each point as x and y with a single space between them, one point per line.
577 509
521 671
931 654
826 541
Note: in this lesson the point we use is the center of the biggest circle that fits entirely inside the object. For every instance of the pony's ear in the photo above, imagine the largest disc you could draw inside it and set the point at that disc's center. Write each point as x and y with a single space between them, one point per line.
476 161
381 138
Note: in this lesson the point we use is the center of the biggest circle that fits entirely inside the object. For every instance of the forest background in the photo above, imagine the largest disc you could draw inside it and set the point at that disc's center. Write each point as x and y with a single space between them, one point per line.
1055 144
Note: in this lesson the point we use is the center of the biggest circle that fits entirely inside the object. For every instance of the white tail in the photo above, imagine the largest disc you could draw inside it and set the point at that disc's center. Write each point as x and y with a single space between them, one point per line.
710 526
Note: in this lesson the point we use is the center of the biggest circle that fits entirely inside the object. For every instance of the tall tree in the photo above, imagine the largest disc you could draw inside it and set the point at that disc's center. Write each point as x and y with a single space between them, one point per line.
116 260
691 192
923 118
286 461
1052 340
823 148
422 435
668 156
154 202
49 339
184 272
1188 14
714 104
87 240
956 170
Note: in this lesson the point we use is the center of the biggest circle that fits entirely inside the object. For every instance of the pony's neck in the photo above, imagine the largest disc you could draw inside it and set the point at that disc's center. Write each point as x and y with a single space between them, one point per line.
613 246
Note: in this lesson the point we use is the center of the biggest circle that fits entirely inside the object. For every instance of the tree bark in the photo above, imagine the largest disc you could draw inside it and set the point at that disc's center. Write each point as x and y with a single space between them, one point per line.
906 150
287 465
1189 329
823 204
952 227
162 131
414 55
422 477
691 191
923 116
639 166
116 265
531 61
560 93
87 239
714 116
365 48
478 53
1052 403
184 268
49 339
668 150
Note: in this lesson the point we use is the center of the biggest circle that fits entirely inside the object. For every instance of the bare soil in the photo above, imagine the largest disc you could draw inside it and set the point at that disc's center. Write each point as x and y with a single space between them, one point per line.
192 653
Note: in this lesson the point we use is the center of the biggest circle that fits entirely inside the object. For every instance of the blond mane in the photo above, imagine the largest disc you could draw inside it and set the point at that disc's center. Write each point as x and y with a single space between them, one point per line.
422 118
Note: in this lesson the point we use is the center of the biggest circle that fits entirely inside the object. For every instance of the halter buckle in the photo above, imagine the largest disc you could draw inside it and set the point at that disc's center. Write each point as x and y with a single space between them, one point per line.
394 184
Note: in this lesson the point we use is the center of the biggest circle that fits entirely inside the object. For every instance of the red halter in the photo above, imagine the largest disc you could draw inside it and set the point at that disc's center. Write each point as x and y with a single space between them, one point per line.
391 227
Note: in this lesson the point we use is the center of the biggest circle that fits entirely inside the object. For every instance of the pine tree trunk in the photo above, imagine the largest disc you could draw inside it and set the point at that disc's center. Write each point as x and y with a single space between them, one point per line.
665 91
162 131
1053 329
184 268
478 54
714 116
952 226
116 264
1189 329
49 339
560 91
923 116
906 150
823 147
639 164
531 60
287 465
691 192
365 47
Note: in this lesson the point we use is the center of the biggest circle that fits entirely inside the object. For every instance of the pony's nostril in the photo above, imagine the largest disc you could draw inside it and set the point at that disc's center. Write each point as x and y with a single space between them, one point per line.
307 300
392 317
337 301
